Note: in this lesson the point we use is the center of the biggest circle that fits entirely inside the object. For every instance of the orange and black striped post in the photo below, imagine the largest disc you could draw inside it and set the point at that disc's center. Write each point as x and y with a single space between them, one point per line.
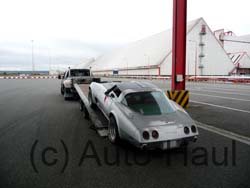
180 97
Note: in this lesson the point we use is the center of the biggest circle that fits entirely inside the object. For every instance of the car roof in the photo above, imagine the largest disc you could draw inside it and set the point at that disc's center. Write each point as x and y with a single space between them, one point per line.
132 85
135 85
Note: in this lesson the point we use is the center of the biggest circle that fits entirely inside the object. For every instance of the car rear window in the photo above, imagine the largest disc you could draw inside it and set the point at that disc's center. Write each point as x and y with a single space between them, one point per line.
149 103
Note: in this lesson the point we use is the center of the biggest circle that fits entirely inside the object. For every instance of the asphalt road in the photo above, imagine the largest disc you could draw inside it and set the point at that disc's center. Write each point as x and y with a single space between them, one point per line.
33 115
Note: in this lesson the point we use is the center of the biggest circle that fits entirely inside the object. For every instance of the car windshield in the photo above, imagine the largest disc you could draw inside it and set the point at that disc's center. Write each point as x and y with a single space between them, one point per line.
79 72
149 103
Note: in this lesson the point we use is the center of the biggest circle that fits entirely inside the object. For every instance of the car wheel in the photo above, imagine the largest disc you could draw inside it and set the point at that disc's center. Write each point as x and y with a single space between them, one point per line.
113 133
90 99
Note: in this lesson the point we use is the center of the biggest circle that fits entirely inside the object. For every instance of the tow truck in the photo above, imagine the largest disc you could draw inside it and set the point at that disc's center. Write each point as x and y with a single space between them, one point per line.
72 76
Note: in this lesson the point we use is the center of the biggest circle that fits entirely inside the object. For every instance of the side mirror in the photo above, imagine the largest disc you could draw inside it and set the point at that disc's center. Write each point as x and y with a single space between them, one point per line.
59 76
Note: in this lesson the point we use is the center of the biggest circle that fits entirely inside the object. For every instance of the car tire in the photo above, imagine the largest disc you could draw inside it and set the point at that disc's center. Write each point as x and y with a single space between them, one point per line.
90 99
113 133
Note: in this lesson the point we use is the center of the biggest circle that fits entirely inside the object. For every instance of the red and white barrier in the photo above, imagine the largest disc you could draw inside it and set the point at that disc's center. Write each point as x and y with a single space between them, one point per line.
222 79
28 77
136 77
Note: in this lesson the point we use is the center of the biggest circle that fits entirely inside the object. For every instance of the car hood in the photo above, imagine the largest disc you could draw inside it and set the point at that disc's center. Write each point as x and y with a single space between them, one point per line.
175 118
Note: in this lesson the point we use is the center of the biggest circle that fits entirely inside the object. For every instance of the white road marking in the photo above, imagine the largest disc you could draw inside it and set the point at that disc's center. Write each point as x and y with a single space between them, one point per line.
223 89
225 133
221 86
218 106
219 92
216 96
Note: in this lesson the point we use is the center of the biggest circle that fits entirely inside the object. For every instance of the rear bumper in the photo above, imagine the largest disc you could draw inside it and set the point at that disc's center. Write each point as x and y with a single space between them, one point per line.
167 144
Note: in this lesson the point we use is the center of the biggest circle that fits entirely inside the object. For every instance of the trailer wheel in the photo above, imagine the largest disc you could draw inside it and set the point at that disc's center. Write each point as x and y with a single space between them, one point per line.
90 98
113 133
86 113
84 109
81 105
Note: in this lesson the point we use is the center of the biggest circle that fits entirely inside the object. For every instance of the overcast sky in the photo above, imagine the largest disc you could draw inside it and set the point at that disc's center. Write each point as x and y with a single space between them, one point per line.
68 32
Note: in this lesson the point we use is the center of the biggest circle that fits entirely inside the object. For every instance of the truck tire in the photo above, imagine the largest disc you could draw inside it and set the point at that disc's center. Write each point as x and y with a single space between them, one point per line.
113 133
66 98
62 90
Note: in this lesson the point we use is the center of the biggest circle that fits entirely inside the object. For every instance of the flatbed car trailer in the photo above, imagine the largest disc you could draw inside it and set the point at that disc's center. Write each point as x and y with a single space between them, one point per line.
99 121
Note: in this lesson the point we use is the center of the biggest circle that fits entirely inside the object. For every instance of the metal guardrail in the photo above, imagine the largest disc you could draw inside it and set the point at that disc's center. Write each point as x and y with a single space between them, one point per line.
218 79
189 79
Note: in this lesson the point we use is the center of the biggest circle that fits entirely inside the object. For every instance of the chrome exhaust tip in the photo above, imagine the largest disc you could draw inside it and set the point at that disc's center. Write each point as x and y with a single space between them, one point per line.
143 146
195 139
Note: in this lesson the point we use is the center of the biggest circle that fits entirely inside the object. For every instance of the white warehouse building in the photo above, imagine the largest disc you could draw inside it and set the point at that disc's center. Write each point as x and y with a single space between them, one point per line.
153 55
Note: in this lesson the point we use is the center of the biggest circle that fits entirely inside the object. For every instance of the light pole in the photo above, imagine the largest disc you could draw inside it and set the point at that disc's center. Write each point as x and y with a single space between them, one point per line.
32 56
195 60
148 58
125 59
50 59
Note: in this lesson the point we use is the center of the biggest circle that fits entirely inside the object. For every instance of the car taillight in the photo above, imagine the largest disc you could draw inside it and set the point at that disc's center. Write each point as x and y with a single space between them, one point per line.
186 130
155 134
145 135
193 129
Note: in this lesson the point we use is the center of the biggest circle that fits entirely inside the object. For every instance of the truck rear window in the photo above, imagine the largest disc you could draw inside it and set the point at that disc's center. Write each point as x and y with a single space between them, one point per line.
80 72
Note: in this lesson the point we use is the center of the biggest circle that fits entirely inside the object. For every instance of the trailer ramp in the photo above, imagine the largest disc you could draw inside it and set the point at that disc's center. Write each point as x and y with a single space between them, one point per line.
99 121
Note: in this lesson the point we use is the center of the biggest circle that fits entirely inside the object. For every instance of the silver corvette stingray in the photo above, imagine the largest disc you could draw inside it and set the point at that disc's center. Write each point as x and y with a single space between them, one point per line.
140 113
